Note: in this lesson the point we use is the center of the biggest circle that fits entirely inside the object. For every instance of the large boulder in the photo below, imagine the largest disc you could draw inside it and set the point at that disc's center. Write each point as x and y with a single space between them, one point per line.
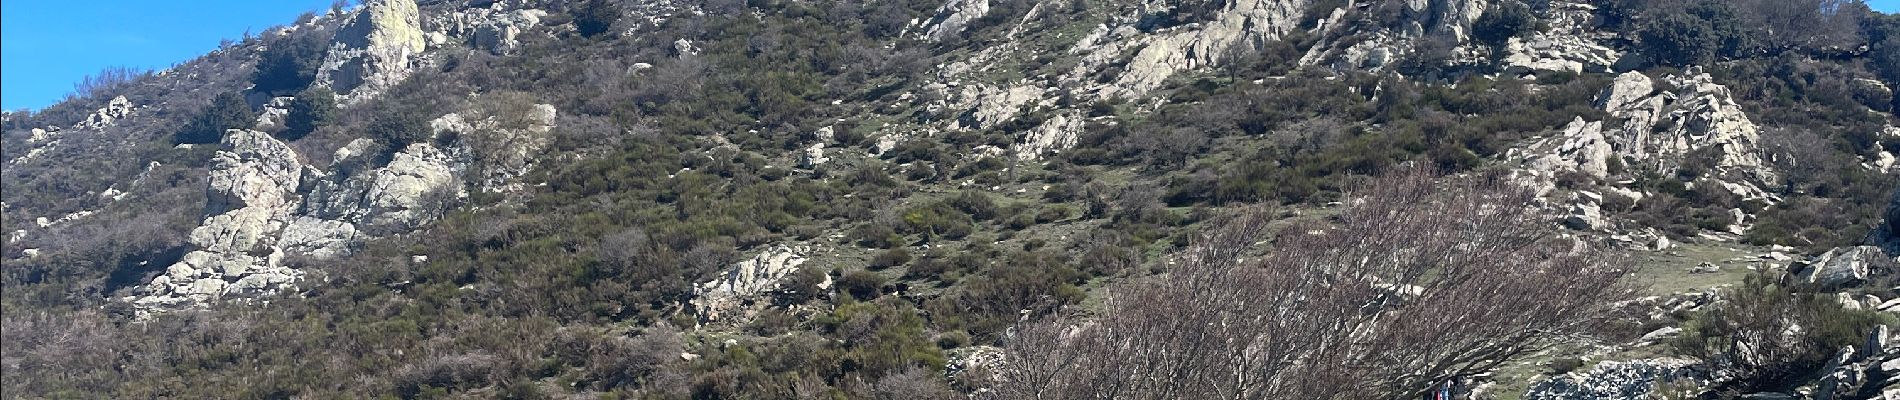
733 295
1057 133
1843 267
255 170
372 52
398 192
953 16
1626 93
317 237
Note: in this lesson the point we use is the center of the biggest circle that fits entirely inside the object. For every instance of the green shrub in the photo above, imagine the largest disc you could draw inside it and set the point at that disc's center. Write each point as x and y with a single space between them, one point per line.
289 64
398 128
1693 34
937 220
227 111
313 108
802 286
595 17
1564 365
889 258
877 235
1749 332
946 266
862 285
1502 22
993 299
977 204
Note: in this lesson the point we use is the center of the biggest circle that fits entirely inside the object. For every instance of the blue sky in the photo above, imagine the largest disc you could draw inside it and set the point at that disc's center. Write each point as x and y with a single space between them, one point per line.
1886 6
47 45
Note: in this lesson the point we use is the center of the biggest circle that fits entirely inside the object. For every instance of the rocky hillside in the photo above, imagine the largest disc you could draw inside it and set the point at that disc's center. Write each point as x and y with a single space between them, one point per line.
1549 199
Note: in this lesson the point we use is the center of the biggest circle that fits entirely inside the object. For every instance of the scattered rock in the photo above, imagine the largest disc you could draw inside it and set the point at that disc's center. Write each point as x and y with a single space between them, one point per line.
117 108
273 114
1559 52
1614 380
1705 268
494 29
962 362
1586 217
1249 23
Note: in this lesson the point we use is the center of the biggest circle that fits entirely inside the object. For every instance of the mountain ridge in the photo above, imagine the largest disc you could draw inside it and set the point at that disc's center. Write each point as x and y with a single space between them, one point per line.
794 199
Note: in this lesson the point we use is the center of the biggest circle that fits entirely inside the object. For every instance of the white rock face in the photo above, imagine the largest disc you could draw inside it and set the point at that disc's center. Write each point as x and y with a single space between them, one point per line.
953 16
1146 59
1246 24
1058 133
263 204
991 105
1698 115
1652 130
1565 53
813 156
389 199
252 183
683 47
1579 147
1626 92
255 169
1419 21
372 52
727 297
506 150
317 237
118 108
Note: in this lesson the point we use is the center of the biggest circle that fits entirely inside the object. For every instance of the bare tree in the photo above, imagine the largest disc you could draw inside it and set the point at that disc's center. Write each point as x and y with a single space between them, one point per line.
107 80
1420 280
1801 156
1804 24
